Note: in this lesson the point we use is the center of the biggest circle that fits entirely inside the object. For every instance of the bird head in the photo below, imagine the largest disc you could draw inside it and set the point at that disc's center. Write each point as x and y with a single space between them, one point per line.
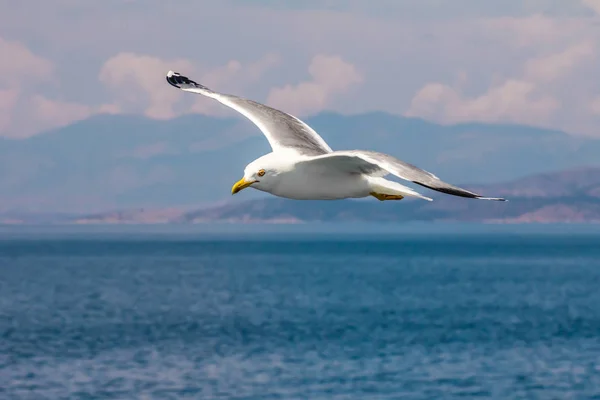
261 174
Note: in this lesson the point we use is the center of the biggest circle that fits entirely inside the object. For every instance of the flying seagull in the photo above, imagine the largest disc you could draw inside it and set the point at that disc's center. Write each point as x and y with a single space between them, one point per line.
302 166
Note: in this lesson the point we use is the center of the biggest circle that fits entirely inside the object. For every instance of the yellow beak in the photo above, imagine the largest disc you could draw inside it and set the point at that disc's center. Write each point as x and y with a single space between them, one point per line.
241 185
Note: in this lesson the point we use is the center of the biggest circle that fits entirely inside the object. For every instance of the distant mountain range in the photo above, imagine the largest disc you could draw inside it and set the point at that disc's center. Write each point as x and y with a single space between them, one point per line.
568 196
126 162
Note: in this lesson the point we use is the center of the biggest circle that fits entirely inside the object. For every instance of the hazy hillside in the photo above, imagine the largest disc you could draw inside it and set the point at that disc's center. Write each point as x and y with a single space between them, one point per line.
569 196
115 162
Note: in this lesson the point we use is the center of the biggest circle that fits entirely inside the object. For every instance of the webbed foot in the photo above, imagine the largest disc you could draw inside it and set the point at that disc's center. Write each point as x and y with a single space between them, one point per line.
383 197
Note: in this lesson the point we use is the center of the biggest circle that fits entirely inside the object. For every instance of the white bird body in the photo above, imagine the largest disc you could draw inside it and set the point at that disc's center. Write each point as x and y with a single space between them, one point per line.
299 179
298 186
302 166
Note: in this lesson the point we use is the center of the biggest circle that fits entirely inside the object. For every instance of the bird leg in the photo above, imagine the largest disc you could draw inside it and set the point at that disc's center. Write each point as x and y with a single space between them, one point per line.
383 197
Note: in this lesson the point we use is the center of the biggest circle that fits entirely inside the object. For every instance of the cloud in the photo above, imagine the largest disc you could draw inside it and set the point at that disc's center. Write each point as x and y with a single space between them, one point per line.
139 83
490 42
21 111
42 113
20 66
330 75
251 72
233 77
136 81
513 100
19 70
531 98
53 113
554 66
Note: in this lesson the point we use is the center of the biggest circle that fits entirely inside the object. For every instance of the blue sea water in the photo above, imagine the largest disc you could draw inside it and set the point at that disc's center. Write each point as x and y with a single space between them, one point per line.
311 316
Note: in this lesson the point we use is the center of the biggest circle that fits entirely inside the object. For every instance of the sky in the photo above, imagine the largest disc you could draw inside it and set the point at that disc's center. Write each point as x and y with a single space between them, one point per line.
534 62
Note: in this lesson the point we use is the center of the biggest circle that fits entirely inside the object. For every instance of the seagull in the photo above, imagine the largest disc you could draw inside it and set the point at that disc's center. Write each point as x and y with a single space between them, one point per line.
302 166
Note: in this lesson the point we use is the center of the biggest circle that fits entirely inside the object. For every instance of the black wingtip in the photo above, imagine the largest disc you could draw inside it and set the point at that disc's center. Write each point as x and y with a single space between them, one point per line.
172 79
455 191
451 190
176 79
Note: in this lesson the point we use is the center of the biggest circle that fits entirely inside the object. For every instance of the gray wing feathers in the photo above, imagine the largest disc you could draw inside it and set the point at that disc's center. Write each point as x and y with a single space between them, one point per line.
380 164
288 131
344 162
282 130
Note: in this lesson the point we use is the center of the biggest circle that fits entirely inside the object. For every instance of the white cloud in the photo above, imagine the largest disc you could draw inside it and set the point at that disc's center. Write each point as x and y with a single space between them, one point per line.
513 100
43 113
54 113
490 42
22 111
554 66
139 82
244 73
532 98
233 77
20 69
20 66
330 75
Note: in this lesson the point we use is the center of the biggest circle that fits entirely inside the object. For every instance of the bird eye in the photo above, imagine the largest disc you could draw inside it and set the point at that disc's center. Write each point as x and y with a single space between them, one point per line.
261 172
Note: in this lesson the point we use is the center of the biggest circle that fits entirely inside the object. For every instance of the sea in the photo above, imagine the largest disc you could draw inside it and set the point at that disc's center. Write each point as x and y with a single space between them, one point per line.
300 312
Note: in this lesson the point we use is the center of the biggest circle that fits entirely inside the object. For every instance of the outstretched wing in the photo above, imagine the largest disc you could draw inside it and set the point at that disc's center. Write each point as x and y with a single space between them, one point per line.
283 131
379 164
